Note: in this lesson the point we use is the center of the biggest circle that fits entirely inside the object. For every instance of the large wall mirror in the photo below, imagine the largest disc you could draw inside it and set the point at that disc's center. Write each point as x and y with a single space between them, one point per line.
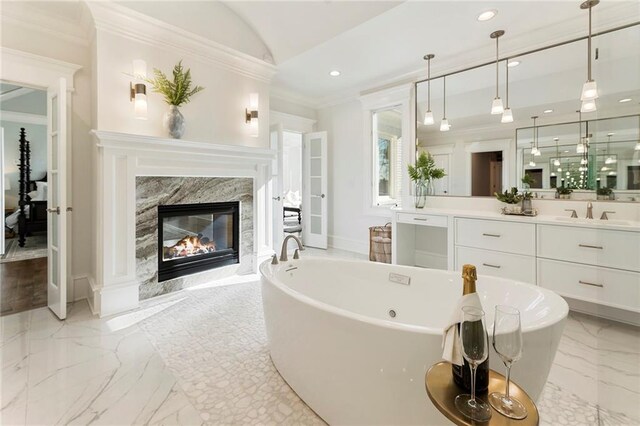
482 155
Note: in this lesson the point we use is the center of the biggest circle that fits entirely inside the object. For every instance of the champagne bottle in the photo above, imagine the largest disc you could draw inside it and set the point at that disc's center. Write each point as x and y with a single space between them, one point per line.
462 373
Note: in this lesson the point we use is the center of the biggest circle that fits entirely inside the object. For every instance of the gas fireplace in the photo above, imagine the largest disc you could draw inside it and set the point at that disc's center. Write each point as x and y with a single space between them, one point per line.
197 237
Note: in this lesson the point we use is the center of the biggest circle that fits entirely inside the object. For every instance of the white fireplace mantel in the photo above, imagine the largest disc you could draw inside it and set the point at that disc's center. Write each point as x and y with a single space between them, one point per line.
119 159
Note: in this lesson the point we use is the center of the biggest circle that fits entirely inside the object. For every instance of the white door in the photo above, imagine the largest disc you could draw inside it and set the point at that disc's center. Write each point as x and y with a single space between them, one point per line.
277 144
442 161
57 198
314 190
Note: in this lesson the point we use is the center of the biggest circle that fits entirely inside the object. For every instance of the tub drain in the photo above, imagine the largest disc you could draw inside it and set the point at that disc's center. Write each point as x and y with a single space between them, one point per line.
392 313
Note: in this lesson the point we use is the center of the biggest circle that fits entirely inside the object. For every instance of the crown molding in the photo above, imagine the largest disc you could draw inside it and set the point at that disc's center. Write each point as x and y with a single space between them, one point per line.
282 93
35 70
132 25
34 19
292 122
23 117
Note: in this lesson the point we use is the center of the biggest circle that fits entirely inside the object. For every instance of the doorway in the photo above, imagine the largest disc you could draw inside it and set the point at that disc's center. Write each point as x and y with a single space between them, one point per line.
23 243
486 173
292 183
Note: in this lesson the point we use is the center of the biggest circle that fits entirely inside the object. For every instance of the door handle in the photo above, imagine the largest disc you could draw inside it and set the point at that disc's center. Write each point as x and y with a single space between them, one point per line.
591 284
276 198
492 235
56 210
69 209
321 195
488 265
590 246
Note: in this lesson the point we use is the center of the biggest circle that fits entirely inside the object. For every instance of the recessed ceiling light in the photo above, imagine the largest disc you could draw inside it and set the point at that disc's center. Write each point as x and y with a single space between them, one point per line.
512 64
548 111
334 73
485 16
622 101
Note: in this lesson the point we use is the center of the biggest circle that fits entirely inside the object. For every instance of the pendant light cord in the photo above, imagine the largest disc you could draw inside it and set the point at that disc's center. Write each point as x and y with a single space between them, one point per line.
507 84
589 49
429 85
497 65
444 97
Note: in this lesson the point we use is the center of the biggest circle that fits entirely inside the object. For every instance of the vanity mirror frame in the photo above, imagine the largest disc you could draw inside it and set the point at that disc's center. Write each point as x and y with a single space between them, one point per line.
492 63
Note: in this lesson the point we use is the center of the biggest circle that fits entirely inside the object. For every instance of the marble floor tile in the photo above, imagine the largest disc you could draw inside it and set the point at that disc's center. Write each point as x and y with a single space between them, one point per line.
200 356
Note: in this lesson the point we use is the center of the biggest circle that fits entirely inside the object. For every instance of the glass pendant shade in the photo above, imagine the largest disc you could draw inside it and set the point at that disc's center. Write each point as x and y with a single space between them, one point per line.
580 148
556 162
637 148
538 153
532 163
428 118
588 105
584 161
497 107
444 125
589 91
507 116
534 150
604 169
559 169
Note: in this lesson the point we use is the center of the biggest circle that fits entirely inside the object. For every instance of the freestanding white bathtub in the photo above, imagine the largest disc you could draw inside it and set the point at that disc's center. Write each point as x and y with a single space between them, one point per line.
333 340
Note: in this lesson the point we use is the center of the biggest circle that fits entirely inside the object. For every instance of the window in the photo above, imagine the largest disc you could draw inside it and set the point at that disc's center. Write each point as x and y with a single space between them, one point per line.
387 156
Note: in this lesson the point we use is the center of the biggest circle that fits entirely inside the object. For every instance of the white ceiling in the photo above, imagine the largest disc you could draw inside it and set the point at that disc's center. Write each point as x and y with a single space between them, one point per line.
389 47
290 28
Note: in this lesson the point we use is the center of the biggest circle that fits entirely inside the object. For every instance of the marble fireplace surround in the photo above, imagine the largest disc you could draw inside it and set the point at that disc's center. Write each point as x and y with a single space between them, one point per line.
120 159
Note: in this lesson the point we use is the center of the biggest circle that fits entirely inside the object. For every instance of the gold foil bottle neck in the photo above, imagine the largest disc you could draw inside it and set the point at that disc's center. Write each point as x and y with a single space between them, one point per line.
469 277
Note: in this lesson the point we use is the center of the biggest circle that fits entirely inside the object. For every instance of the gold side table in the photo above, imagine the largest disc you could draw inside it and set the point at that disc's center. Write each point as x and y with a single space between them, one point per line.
442 391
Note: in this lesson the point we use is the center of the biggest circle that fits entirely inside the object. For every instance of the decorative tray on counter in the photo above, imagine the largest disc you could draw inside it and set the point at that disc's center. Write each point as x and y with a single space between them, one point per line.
519 212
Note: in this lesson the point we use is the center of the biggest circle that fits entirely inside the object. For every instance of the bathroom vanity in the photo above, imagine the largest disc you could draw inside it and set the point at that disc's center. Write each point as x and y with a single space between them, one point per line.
593 263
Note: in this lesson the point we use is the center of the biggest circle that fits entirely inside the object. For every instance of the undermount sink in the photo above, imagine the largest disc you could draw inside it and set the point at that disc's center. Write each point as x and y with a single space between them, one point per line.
595 221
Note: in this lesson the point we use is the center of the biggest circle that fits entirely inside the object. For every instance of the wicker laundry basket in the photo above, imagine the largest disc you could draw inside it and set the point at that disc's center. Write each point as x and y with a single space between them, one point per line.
380 243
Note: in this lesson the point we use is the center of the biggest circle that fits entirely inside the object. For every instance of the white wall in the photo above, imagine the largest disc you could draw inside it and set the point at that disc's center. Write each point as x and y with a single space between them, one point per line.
292 162
348 224
214 115
59 41
37 136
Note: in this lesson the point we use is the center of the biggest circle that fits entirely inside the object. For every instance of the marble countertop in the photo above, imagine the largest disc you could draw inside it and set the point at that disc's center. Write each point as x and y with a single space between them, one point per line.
613 224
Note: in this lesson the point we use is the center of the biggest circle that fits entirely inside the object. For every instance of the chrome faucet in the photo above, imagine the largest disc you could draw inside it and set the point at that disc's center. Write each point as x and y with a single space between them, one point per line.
604 215
573 212
283 252
589 210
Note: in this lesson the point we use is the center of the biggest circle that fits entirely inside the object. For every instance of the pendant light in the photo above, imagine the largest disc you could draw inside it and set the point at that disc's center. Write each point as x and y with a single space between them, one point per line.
534 144
507 115
428 116
531 162
556 162
589 89
610 159
496 105
580 146
444 124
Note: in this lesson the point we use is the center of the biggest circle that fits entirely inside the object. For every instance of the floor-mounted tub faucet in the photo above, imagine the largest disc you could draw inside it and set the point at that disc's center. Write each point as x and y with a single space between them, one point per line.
283 252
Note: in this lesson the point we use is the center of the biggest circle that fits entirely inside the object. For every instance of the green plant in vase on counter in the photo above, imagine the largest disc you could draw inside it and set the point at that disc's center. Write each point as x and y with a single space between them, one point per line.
527 181
604 193
511 197
564 192
423 173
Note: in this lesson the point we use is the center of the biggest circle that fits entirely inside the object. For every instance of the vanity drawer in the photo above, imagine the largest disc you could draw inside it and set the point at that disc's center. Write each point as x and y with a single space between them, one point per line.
423 219
497 264
597 247
611 287
510 237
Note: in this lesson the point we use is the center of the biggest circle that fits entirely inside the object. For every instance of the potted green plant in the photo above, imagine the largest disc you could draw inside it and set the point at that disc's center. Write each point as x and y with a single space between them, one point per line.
176 93
527 181
605 193
423 173
512 198
564 192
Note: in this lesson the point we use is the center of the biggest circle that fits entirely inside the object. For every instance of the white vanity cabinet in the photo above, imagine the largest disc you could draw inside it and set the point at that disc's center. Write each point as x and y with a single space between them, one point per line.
499 248
593 265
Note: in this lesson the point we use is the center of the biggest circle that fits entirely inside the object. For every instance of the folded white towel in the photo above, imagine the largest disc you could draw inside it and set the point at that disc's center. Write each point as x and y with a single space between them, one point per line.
450 338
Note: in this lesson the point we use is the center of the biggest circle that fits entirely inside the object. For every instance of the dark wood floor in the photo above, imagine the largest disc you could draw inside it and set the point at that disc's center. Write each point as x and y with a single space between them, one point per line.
23 285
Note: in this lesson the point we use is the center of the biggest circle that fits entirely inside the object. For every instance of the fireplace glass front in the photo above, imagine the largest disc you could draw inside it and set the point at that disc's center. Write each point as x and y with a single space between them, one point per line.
196 237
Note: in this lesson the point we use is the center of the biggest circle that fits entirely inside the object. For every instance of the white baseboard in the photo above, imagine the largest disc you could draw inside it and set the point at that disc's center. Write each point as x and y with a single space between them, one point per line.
81 287
348 244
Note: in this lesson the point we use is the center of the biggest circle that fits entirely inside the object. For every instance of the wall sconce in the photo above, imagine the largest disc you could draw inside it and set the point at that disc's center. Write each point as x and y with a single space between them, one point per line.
138 91
251 115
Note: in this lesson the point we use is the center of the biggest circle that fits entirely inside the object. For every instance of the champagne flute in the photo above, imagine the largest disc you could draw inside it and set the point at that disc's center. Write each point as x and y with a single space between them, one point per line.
507 341
475 349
